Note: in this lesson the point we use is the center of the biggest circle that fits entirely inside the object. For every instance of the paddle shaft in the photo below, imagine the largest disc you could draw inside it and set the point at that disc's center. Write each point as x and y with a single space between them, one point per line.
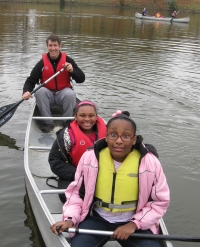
6 112
44 83
134 235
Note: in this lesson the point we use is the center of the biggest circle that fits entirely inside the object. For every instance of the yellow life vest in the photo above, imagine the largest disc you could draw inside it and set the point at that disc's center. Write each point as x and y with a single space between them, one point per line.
117 191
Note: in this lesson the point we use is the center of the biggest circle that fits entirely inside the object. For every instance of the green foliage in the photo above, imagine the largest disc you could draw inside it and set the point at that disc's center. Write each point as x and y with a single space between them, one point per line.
62 1
172 4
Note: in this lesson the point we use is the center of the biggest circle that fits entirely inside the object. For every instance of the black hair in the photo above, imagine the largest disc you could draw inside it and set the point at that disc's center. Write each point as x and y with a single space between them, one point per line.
82 103
126 116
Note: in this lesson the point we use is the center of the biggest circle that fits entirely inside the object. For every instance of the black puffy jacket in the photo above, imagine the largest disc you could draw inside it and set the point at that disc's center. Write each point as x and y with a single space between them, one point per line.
60 160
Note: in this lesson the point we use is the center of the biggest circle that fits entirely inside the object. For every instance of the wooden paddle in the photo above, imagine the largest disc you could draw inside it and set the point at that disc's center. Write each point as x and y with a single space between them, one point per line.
7 111
134 235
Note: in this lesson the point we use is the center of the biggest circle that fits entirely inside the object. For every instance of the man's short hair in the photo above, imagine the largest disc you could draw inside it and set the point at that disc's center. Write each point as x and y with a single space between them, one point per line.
53 38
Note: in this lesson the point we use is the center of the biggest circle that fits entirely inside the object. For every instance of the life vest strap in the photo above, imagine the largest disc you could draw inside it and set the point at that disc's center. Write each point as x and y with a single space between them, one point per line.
116 206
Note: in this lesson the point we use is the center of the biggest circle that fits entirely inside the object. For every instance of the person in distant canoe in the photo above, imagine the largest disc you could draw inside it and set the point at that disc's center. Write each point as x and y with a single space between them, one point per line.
144 12
125 189
59 90
157 15
71 142
174 14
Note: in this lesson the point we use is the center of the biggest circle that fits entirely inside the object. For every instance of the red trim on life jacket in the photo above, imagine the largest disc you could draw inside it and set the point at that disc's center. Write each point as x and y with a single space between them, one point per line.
62 80
82 141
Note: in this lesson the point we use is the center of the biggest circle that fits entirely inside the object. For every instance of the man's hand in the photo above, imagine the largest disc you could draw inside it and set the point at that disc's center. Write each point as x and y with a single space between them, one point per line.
27 95
68 67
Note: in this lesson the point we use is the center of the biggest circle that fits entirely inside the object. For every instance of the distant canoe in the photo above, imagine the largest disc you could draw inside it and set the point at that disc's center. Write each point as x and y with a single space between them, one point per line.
167 19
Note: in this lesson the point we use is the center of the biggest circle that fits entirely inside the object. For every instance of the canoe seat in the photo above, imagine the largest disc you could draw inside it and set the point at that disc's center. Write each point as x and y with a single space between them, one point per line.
52 191
39 148
53 118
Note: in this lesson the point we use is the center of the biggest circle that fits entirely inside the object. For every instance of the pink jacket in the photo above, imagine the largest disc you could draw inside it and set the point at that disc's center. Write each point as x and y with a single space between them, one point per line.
154 192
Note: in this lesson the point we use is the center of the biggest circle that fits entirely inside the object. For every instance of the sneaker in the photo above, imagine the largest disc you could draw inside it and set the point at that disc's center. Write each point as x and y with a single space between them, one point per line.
46 128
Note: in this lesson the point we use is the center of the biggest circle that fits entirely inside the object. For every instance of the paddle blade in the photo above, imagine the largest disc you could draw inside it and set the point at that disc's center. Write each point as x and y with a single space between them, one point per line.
6 112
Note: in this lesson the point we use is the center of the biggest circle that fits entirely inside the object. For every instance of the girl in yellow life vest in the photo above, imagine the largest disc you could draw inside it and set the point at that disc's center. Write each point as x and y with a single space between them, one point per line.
133 200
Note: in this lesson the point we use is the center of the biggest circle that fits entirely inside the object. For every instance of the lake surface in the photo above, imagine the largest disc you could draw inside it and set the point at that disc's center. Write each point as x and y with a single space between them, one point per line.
149 68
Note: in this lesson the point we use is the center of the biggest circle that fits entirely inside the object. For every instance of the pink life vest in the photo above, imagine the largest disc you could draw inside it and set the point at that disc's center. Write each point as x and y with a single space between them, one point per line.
81 141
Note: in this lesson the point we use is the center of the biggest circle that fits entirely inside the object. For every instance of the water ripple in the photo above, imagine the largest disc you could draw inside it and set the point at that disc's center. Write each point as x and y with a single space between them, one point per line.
150 69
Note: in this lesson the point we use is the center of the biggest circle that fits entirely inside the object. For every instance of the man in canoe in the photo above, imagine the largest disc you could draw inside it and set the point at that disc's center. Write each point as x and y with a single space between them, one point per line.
174 14
144 12
119 186
59 90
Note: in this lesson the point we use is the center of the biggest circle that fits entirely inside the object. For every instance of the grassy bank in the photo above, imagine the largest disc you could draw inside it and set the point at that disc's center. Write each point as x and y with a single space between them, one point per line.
184 5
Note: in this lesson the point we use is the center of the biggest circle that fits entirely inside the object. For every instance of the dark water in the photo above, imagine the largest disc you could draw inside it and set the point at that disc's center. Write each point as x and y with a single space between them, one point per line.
148 68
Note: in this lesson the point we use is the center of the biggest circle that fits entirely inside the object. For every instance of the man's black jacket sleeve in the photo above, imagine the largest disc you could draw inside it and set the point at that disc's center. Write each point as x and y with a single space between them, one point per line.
77 74
34 77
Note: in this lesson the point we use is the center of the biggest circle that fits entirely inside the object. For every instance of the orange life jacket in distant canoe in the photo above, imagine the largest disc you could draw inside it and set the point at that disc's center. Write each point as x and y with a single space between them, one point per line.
157 15
62 80
82 141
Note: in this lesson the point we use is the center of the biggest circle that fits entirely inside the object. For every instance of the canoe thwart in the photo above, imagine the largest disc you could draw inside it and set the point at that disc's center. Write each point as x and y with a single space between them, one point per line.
61 191
39 148
53 118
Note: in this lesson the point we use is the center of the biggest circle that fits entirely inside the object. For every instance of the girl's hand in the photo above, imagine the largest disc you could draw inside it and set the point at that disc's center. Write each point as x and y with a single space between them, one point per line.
123 232
62 225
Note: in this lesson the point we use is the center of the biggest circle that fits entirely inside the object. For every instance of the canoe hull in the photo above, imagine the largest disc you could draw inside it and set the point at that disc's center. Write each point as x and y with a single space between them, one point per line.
44 201
164 19
42 219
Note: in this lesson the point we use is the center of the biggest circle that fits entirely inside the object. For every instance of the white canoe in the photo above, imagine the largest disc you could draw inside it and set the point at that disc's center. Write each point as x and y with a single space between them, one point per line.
167 19
44 200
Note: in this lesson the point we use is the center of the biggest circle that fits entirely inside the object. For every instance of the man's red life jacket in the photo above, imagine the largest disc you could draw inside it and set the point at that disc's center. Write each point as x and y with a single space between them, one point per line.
82 141
62 80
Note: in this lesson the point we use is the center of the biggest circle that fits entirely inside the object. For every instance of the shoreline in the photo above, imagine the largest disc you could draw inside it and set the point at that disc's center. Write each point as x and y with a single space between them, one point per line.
192 7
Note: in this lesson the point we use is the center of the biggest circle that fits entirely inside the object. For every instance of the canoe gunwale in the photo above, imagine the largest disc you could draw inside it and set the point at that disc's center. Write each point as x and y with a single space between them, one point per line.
31 187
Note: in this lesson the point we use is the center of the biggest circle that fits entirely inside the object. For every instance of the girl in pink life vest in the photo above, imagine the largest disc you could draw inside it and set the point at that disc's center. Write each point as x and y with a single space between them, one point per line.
174 14
71 142
119 186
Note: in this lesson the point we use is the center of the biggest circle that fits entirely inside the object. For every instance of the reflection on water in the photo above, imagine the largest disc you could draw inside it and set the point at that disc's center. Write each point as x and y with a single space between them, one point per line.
161 27
149 68
30 222
7 141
